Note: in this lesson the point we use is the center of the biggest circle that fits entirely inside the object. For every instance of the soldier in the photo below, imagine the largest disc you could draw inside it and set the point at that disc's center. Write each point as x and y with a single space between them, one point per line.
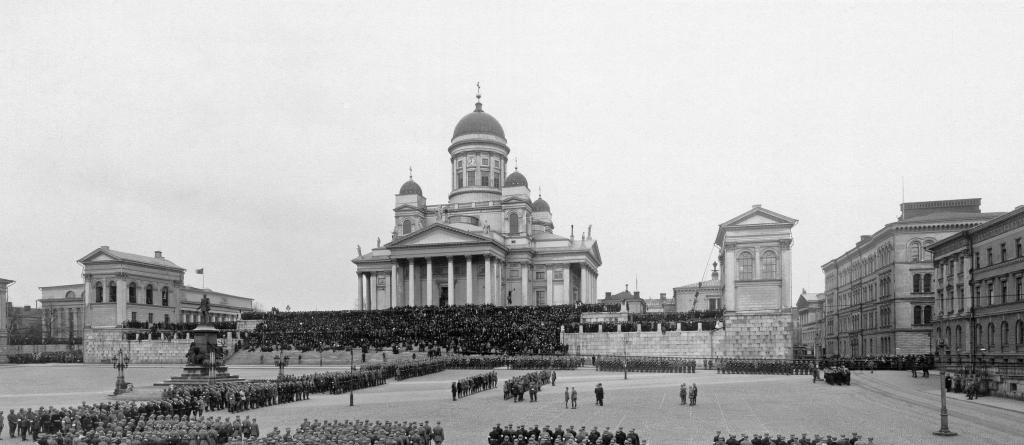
438 434
682 394
455 391
12 423
572 396
693 394
599 395
566 397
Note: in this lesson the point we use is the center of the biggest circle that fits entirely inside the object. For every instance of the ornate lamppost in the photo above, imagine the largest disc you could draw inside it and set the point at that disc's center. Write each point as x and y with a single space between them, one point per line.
121 361
943 414
281 360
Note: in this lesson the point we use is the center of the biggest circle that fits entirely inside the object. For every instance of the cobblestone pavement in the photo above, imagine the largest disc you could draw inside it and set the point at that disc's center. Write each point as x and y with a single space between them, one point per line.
890 406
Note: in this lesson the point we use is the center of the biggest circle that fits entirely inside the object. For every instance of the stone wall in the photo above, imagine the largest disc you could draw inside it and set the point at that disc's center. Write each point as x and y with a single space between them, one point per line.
746 335
6 350
101 344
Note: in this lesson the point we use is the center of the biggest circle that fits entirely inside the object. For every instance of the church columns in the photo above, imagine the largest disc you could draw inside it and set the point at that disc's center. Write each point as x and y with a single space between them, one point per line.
549 274
729 277
121 310
394 284
451 281
784 272
567 284
524 275
488 285
410 300
369 289
430 283
362 296
469 279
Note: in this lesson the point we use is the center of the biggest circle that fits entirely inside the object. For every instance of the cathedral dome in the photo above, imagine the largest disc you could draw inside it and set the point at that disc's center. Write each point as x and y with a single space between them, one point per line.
478 122
540 205
516 179
410 188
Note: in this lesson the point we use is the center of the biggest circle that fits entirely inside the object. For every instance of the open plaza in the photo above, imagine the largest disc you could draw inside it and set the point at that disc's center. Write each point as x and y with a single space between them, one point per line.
889 406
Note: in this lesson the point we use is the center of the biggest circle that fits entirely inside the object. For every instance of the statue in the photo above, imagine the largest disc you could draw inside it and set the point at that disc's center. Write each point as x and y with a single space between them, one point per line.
589 226
204 310
378 241
195 355
359 250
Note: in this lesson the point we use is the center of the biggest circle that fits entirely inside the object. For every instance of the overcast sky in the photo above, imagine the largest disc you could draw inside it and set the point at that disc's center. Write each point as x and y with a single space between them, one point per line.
264 140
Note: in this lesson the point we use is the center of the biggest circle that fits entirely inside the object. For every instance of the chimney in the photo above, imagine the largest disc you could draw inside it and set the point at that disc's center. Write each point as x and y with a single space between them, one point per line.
158 254
607 294
636 294
714 271
662 295
105 247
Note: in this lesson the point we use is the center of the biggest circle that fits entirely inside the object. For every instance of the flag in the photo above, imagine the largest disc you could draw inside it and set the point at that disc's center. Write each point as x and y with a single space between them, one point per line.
199 271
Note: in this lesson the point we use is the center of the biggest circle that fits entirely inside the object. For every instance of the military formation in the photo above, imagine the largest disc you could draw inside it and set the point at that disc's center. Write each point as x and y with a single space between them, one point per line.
517 387
474 384
765 366
779 439
560 436
361 432
645 364
837 375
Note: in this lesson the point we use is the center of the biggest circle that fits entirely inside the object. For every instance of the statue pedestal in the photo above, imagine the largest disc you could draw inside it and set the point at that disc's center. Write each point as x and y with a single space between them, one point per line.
205 339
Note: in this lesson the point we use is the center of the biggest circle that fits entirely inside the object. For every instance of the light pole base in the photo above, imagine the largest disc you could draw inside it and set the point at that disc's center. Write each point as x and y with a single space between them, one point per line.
944 433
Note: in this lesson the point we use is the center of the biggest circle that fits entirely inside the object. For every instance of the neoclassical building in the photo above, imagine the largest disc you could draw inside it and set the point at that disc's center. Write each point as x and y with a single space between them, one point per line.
756 261
879 295
490 243
119 286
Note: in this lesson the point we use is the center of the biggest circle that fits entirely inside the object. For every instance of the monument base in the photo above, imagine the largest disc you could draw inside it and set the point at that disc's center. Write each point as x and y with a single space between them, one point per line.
199 375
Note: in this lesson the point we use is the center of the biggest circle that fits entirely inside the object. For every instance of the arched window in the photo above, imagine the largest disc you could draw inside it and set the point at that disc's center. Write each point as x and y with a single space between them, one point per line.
769 265
112 292
991 335
131 293
925 254
959 337
164 296
927 283
1020 332
917 283
149 294
914 251
746 266
949 338
1004 337
977 335
99 292
513 223
70 294
927 314
917 314
406 227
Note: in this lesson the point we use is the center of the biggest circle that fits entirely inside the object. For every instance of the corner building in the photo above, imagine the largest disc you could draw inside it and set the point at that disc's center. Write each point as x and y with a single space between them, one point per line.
490 243
879 296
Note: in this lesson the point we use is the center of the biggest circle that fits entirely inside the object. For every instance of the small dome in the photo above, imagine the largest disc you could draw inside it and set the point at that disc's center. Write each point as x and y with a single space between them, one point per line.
516 179
478 122
410 188
540 205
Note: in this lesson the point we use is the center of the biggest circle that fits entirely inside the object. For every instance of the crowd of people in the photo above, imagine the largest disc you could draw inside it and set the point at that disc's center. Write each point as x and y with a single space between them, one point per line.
46 357
764 366
645 364
474 384
351 432
529 383
779 439
911 363
835 375
523 435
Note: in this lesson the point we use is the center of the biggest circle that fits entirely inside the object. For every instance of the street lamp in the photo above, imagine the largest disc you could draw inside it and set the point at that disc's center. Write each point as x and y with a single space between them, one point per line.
121 361
943 414
281 360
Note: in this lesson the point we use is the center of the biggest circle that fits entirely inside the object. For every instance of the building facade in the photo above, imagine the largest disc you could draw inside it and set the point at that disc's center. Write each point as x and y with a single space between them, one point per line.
700 296
121 287
490 243
808 338
879 296
979 311
754 251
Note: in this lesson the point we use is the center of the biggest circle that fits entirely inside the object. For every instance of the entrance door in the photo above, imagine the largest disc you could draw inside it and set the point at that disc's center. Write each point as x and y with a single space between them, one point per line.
443 300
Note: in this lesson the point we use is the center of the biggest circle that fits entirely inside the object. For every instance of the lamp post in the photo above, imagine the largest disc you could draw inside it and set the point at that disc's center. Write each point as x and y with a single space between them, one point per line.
351 368
281 360
943 414
121 361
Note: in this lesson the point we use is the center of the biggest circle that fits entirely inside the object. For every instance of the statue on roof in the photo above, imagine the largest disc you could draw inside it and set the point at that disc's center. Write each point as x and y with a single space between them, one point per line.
359 250
378 241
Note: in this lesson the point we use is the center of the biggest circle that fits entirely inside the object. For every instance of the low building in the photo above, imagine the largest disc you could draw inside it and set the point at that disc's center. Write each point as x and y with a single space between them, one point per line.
660 305
808 340
700 296
629 302
121 287
878 295
979 308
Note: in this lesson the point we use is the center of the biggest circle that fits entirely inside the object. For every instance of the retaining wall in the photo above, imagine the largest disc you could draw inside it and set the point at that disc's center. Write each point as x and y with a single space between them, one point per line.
100 345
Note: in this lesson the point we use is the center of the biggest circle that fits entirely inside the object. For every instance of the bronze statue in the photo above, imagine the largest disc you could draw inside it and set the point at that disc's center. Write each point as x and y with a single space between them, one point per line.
204 310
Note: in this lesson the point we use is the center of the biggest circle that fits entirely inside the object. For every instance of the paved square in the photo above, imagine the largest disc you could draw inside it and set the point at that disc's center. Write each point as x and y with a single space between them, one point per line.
892 407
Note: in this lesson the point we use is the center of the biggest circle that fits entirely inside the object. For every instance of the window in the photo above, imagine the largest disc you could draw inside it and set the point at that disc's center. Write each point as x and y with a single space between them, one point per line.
150 319
1002 252
1020 287
959 337
917 283
541 298
149 294
164 295
917 314
513 223
1002 295
1020 332
485 162
769 265
472 178
135 316
1020 248
1004 337
461 180
977 261
927 314
927 283
915 252
497 180
558 275
112 292
131 293
712 304
514 274
382 281
991 295
167 319
989 256
746 266
540 275
99 292
485 179
406 227
991 335
70 294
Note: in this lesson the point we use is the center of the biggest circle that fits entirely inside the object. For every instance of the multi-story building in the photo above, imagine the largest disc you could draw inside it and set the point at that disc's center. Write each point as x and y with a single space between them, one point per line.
879 297
979 308
808 339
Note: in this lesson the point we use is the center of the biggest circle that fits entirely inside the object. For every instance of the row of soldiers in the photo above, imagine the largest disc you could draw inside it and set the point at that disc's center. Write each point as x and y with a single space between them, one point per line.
545 362
645 364
559 436
767 439
28 423
837 375
159 430
409 370
352 432
765 366
474 384
516 386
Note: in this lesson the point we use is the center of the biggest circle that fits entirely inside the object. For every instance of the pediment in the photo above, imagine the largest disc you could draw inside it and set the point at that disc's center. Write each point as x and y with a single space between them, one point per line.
756 219
759 216
101 257
436 234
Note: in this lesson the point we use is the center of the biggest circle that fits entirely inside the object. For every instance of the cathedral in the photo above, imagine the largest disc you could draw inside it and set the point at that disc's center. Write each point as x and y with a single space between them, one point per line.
490 243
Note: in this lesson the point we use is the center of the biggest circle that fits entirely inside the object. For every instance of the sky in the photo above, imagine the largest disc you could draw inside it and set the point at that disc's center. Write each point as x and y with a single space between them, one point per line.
264 140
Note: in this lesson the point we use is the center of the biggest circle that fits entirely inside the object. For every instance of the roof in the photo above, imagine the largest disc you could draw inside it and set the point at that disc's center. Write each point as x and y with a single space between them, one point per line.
624 295
766 218
478 122
540 205
131 257
410 188
708 284
516 179
950 216
211 291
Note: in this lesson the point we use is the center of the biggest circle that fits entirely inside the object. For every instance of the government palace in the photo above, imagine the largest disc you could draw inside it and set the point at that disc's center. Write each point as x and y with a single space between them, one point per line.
491 243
